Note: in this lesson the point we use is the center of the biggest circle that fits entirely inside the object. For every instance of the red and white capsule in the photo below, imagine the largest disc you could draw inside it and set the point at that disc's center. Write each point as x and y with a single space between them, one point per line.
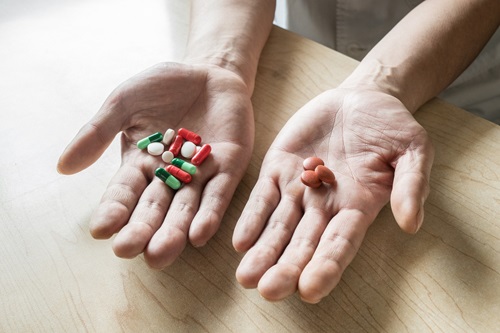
189 136
182 175
175 147
201 155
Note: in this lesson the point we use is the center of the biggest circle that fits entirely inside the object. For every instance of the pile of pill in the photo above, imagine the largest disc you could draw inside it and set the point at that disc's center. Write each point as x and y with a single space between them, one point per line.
184 144
315 173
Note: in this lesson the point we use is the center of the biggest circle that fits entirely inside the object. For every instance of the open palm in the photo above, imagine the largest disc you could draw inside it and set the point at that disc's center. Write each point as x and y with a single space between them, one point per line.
148 216
301 238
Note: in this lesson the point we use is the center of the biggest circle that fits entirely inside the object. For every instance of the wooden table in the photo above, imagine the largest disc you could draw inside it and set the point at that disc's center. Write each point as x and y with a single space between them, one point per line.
58 63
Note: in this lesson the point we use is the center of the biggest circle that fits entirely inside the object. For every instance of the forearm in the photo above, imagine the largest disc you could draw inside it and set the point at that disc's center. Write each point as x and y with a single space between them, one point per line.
230 34
428 49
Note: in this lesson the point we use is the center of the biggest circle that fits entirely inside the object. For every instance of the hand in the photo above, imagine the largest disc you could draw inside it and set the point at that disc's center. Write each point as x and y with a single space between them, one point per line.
301 238
148 216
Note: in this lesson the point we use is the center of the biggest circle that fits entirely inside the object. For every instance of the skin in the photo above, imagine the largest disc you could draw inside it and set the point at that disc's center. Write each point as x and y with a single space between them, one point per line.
295 238
146 214
208 93
302 239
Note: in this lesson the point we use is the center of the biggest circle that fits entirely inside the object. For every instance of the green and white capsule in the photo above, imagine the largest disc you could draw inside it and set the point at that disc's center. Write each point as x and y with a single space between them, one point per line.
188 167
155 137
167 178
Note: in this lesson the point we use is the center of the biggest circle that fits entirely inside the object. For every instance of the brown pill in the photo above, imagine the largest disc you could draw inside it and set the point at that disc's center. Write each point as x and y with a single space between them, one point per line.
310 178
324 174
312 162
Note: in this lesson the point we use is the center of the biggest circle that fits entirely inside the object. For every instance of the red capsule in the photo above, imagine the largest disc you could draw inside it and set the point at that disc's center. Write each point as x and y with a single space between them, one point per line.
324 174
201 155
312 162
175 147
310 178
182 175
189 136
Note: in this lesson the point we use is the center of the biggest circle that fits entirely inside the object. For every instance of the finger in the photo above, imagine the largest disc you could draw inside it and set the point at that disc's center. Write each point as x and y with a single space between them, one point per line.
91 141
214 201
262 202
337 247
118 201
267 250
411 186
282 279
146 219
170 239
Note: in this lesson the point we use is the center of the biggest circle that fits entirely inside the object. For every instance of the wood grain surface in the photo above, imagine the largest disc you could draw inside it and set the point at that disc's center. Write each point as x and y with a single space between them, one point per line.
58 62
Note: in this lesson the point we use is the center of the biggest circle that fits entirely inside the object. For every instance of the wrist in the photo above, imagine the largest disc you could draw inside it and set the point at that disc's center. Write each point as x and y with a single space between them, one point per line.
229 34
372 75
231 61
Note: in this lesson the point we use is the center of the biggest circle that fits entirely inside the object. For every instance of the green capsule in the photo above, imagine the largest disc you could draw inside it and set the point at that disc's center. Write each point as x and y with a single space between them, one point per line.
188 167
167 178
155 137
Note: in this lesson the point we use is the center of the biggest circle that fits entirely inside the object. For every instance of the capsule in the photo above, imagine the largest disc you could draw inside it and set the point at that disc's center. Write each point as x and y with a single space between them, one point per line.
167 178
201 155
155 137
168 136
188 167
175 147
189 136
180 174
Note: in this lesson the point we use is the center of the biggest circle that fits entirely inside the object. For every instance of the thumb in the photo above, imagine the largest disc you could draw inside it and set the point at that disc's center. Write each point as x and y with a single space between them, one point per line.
91 141
411 185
